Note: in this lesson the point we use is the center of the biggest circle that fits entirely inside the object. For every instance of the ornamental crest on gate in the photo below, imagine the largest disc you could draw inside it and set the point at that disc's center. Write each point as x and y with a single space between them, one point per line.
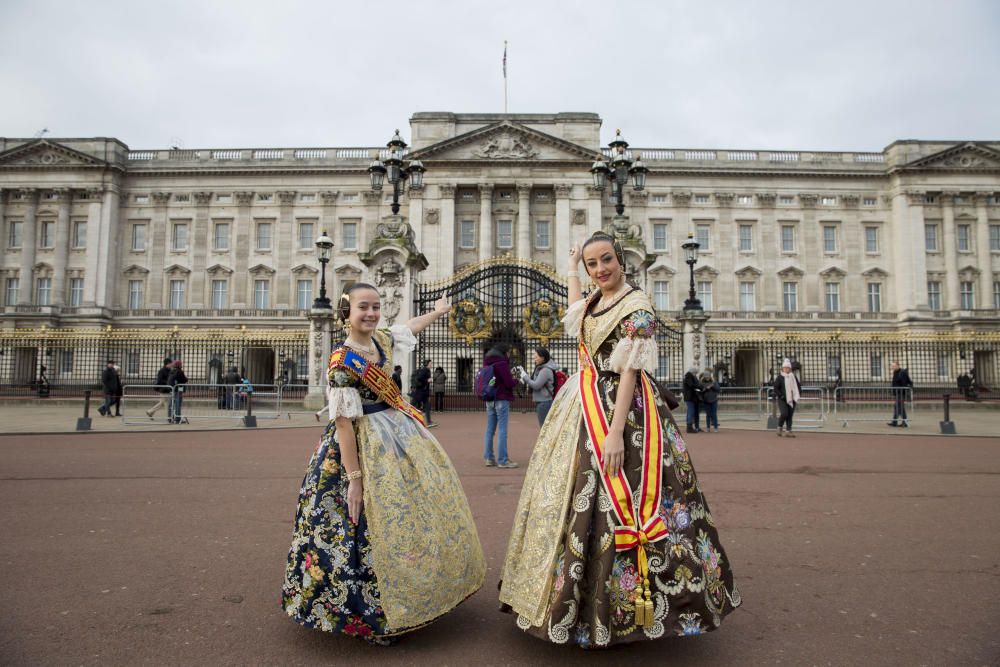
543 320
470 320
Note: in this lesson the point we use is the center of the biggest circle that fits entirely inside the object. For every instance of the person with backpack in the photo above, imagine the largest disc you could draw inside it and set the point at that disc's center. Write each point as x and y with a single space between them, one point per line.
543 382
495 385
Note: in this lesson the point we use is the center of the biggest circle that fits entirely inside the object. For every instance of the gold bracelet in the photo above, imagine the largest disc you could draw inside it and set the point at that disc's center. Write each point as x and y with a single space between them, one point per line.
351 476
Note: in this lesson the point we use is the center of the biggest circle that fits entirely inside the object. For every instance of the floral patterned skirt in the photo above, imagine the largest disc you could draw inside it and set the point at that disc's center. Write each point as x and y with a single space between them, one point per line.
414 554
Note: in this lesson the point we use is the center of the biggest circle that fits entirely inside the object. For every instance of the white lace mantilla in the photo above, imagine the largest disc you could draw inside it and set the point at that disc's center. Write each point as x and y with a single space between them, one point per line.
638 353
344 402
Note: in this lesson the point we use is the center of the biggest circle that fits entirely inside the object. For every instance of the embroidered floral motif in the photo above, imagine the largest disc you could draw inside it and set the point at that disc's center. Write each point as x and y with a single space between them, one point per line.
640 324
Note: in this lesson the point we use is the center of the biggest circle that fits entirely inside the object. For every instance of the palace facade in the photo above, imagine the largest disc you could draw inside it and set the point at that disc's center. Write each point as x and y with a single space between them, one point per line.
812 246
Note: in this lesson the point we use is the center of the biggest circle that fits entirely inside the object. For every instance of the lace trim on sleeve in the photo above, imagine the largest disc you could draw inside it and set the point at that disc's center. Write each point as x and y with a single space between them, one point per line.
403 340
573 317
344 402
636 353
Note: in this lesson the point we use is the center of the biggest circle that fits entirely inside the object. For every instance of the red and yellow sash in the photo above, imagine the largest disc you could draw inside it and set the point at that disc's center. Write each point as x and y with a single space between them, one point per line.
373 377
641 523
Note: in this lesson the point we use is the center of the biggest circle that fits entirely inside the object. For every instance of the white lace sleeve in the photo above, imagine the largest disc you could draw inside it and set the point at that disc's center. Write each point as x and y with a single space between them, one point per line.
638 353
573 317
403 340
344 402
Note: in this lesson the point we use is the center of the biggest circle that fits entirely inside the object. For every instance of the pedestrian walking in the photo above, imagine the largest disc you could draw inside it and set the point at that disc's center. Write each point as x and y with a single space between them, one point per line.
111 386
232 380
710 399
542 383
691 389
901 382
117 401
440 382
787 394
420 391
495 385
177 380
162 389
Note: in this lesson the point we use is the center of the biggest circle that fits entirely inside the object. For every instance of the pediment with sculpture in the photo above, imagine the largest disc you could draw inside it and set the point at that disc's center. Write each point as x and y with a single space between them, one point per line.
505 141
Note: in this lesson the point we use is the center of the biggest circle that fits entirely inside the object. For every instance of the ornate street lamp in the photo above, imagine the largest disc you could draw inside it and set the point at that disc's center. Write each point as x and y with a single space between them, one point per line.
620 169
397 170
691 255
324 244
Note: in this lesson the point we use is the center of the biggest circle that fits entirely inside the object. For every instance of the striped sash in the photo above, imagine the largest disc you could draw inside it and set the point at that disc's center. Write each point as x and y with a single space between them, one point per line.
372 376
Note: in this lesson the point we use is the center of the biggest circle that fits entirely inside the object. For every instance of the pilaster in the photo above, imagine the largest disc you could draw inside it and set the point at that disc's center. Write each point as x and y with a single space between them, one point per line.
62 242
524 221
200 243
241 249
984 291
485 220
156 248
563 236
281 251
29 242
948 248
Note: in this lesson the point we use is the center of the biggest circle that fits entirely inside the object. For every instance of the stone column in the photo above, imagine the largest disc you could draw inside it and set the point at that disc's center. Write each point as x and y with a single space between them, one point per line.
726 254
201 241
949 250
61 259
92 259
485 220
809 247
416 220
241 249
595 210
679 228
984 298
694 338
28 243
108 245
321 326
156 248
910 257
524 244
562 235
282 244
446 263
3 230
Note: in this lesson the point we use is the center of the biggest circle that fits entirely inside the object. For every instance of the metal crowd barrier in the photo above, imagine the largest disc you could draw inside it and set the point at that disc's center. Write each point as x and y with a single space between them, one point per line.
293 400
811 410
741 404
870 404
145 404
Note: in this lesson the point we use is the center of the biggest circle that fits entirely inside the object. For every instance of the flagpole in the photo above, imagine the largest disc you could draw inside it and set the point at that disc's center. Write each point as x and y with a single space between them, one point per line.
505 76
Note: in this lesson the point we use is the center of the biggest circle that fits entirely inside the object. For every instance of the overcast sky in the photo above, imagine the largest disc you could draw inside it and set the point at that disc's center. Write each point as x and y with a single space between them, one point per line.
835 75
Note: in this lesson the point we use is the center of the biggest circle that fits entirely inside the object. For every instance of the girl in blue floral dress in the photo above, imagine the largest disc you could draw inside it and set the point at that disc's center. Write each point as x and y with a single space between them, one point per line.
613 540
384 541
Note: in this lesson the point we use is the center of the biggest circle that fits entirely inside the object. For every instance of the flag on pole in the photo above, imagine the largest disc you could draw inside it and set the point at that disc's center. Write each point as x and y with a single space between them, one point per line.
505 59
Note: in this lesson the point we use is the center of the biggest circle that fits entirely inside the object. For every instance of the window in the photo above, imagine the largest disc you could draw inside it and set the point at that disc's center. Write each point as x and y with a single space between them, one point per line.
790 297
832 366
139 236
828 201
220 237
964 242
43 291
263 236
505 234
543 195
994 237
14 234
220 294
468 195
833 297
505 195
262 197
875 364
350 236
661 294
871 240
178 298
13 284
228 199
786 200
659 199
309 196
968 295
942 365
306 235
660 236
934 294
542 234
135 294
746 238
66 363
142 199
930 238
703 237
46 234
179 240
262 294
748 297
874 297
930 199
76 291
746 200
869 201
467 234
829 238
996 294
132 362
788 238
701 199
304 294
705 294
349 197
79 234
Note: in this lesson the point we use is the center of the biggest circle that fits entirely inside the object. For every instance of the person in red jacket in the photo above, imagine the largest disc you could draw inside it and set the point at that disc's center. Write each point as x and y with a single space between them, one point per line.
498 410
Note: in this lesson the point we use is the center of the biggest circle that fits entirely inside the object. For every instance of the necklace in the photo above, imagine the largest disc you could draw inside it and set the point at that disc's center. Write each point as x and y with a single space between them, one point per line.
367 349
604 302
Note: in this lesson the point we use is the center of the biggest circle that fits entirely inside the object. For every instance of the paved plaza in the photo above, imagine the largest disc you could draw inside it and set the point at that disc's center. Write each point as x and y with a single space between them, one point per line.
168 547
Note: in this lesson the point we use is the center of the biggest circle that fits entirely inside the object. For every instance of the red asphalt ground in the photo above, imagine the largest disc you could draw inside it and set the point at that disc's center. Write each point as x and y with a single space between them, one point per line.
169 549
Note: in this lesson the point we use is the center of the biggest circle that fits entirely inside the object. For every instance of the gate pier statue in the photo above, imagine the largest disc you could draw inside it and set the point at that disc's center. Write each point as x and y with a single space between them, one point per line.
321 326
694 345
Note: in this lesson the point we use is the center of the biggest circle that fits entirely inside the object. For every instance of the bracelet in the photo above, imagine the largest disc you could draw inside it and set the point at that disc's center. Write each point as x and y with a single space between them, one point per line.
351 476
572 274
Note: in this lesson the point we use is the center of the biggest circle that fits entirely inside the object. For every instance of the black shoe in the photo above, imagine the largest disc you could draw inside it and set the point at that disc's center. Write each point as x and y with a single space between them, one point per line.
905 425
101 410
891 424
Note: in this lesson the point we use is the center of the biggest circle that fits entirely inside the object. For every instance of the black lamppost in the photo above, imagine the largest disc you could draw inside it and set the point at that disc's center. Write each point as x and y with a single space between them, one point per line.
619 170
397 171
691 254
324 244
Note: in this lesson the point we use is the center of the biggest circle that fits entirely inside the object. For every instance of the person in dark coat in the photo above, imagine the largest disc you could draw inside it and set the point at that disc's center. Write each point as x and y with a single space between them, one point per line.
787 393
900 382
111 384
691 389
177 380
440 382
161 388
397 376
420 391
498 410
710 399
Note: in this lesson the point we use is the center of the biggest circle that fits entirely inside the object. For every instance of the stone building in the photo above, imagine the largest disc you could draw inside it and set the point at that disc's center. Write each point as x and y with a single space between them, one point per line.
896 250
